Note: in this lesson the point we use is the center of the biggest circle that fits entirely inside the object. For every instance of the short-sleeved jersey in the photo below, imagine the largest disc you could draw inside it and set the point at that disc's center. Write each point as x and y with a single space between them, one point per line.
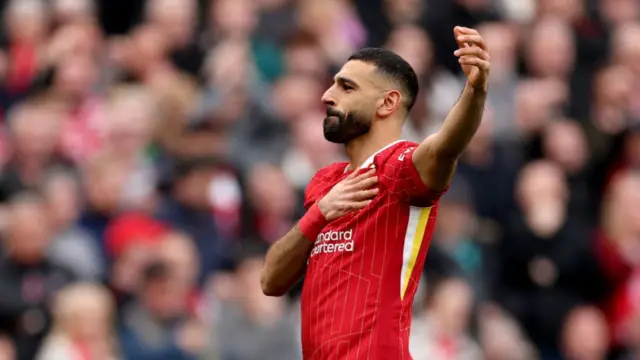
364 269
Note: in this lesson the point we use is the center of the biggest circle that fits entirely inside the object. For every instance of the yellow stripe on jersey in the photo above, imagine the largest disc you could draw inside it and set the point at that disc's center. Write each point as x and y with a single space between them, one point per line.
418 218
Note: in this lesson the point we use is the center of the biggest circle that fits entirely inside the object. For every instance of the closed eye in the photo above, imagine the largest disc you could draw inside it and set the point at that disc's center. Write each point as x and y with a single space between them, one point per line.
345 84
347 88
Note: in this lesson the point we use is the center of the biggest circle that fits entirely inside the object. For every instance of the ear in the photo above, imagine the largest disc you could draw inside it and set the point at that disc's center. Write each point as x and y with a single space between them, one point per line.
389 103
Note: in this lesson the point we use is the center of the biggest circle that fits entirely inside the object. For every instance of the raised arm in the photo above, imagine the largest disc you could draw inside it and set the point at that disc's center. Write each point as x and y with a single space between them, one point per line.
436 157
286 260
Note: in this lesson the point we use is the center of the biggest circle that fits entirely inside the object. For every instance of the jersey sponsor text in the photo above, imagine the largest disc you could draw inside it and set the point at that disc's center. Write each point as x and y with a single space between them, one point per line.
332 242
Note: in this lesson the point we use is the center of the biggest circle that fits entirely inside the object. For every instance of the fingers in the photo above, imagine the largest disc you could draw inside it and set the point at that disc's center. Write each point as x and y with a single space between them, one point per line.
362 181
355 178
472 51
364 194
461 30
363 184
355 192
354 205
471 40
466 37
351 176
473 56
475 61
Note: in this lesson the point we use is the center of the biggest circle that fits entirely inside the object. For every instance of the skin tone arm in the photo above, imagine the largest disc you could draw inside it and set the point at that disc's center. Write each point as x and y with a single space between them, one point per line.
286 260
437 156
285 263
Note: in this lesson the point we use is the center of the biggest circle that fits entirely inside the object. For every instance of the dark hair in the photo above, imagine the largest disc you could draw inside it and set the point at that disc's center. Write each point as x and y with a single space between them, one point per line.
393 66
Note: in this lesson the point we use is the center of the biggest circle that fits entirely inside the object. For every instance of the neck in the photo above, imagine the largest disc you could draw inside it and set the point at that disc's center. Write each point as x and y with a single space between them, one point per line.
360 149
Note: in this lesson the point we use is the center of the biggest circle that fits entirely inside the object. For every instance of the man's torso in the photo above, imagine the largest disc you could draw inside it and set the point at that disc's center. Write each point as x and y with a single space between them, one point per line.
365 266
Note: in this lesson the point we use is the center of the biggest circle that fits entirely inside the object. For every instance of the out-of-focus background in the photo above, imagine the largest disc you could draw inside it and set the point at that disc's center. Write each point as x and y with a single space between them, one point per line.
152 150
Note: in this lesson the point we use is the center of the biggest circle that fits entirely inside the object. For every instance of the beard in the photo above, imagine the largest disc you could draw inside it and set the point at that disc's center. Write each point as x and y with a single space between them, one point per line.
340 127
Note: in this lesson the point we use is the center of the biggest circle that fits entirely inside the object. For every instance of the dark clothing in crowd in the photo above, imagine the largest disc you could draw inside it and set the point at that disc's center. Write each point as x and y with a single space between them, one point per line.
25 305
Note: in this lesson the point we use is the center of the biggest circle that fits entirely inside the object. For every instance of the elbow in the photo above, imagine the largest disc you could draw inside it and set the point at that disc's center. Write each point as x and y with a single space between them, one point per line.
269 288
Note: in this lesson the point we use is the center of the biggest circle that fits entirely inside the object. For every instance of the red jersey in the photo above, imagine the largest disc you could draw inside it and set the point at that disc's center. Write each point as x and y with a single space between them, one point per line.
364 269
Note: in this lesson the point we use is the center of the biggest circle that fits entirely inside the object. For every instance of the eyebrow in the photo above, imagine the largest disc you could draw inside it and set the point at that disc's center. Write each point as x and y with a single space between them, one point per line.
341 80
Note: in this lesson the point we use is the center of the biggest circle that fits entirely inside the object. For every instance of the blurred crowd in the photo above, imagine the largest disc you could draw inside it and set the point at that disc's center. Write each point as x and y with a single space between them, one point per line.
152 150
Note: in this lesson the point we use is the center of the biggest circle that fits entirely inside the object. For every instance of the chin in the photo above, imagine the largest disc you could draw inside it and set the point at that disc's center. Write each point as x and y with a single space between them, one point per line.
333 137
332 131
342 131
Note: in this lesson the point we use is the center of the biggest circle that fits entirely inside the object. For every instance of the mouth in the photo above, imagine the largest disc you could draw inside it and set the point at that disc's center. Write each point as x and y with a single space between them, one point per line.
331 121
332 113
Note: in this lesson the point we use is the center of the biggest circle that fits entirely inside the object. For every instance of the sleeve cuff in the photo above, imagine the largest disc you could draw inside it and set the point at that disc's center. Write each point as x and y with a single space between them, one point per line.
312 223
427 196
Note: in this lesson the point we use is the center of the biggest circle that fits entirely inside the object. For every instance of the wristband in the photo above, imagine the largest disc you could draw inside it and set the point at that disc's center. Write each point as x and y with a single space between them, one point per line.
312 223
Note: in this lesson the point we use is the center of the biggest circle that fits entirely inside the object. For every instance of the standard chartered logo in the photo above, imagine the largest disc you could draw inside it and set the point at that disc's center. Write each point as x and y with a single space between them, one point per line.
333 241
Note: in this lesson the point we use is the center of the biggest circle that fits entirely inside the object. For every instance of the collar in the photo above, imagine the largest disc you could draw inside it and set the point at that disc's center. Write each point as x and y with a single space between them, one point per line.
367 163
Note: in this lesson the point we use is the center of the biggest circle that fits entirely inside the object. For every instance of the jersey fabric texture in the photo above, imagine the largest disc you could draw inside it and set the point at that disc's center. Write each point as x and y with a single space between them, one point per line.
364 268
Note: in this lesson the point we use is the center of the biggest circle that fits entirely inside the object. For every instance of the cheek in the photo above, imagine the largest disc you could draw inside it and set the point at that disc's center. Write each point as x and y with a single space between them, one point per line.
377 103
355 104
367 110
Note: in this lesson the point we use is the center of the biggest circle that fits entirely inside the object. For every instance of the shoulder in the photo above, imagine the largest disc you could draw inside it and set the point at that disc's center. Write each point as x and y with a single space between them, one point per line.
393 154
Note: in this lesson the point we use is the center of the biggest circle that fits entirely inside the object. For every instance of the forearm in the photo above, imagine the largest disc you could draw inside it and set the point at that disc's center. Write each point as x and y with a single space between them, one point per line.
437 156
461 123
286 260
285 263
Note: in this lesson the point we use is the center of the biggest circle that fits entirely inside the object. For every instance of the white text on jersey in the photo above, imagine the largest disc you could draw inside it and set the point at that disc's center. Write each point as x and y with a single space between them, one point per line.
333 241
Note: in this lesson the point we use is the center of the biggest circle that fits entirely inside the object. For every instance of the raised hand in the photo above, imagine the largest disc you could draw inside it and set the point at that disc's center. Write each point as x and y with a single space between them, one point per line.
473 56
353 193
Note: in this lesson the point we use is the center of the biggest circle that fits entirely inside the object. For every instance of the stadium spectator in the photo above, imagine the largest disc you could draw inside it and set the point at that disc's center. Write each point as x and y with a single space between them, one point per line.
159 324
441 331
72 246
252 326
83 315
28 280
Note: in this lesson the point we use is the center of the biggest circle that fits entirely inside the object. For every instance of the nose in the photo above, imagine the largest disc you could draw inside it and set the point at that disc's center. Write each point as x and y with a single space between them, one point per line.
327 99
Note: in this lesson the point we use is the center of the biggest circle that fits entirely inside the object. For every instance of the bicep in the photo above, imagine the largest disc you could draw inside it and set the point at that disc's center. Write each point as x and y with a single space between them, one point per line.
436 170
406 180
